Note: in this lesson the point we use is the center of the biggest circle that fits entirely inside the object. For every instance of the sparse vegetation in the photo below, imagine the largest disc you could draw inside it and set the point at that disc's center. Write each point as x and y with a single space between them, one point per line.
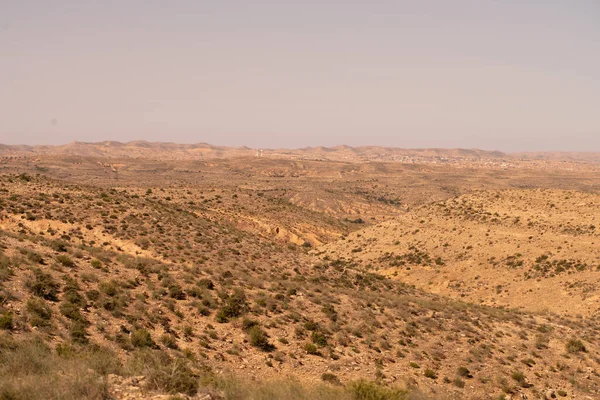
142 338
171 282
42 284
575 346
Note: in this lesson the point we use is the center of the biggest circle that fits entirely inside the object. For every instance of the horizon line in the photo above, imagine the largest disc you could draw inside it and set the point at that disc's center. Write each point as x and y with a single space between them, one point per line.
104 142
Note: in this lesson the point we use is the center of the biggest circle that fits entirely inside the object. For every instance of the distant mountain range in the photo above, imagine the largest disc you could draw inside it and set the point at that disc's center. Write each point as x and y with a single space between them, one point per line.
200 151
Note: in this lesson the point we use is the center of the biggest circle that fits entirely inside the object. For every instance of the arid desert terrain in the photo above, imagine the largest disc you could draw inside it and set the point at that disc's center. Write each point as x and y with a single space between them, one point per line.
156 270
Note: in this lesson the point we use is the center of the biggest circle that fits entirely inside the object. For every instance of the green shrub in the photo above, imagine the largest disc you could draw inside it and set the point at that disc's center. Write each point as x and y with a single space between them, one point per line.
259 339
43 285
365 390
169 341
109 288
72 312
329 310
464 372
58 245
176 292
142 338
194 291
6 320
248 323
575 346
429 373
204 311
188 331
78 332
519 377
39 313
311 326
71 292
310 348
233 307
65 261
319 339
92 294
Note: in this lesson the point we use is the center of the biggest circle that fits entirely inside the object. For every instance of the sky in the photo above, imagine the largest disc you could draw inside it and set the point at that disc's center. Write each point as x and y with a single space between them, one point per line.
510 75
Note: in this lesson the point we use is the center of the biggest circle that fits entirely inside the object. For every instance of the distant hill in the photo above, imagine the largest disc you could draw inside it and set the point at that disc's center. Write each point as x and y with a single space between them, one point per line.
135 149
203 151
593 157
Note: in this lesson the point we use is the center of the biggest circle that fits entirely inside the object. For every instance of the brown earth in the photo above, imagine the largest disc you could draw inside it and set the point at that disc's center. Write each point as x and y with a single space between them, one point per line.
399 273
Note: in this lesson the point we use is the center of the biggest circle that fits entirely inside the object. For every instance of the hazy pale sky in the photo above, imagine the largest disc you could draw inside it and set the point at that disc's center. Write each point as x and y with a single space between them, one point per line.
508 74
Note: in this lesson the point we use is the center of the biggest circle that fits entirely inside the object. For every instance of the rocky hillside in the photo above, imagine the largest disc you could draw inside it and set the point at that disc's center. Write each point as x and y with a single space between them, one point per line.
537 250
153 291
